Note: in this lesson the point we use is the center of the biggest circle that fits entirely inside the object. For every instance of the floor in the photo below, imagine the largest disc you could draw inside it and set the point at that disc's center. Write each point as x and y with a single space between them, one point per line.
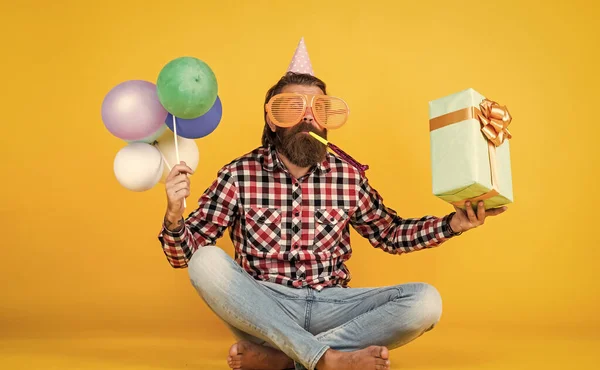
445 348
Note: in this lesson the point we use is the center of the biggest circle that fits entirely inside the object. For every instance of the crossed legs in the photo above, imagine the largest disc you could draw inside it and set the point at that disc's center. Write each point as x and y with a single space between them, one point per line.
342 328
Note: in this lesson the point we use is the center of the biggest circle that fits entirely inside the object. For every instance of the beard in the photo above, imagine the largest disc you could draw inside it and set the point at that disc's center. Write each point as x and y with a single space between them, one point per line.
301 149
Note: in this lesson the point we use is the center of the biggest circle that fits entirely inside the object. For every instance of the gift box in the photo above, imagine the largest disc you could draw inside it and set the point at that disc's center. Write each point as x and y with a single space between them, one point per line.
470 150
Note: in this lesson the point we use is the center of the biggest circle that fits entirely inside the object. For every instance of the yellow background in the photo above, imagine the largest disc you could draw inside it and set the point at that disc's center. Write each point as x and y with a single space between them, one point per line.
80 253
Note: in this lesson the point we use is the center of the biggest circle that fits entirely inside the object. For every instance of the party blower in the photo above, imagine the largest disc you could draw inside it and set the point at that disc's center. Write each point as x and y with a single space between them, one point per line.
361 167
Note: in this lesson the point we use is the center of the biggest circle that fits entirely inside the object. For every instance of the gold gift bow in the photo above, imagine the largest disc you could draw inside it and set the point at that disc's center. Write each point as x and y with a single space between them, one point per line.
494 120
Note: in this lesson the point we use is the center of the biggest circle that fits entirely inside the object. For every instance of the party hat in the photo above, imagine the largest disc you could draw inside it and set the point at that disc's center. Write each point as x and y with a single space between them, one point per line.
301 62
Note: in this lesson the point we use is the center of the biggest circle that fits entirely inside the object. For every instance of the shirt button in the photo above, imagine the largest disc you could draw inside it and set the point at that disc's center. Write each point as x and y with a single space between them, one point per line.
295 184
295 246
297 214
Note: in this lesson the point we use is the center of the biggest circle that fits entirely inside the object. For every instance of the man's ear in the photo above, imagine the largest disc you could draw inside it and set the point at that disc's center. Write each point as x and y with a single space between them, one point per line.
271 124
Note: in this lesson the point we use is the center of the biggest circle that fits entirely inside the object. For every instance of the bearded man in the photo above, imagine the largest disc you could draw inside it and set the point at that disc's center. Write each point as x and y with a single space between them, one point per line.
288 206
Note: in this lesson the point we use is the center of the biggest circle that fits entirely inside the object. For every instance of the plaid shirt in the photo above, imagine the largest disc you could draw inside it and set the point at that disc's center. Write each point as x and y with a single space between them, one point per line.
296 231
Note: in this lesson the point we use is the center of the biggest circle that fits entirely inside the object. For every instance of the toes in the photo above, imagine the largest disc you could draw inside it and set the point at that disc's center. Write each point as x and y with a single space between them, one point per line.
382 364
384 353
378 352
235 364
233 350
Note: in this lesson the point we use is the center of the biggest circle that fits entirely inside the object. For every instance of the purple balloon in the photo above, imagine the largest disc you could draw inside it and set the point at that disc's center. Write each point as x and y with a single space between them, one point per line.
200 126
132 111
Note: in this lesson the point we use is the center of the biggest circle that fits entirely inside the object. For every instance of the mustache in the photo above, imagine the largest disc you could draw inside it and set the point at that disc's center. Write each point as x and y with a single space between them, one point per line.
305 127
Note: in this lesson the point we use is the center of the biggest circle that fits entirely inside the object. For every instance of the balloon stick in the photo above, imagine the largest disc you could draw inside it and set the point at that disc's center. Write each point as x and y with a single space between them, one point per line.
164 159
177 149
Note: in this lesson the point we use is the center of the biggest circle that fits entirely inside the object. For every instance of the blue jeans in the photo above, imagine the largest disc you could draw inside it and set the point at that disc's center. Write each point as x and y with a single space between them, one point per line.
304 323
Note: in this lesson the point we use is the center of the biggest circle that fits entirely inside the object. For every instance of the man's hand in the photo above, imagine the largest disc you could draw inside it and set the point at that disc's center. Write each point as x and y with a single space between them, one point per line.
177 187
467 220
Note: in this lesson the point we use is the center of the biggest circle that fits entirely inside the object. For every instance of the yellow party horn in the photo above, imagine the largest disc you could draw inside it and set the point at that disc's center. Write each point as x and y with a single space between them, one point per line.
361 167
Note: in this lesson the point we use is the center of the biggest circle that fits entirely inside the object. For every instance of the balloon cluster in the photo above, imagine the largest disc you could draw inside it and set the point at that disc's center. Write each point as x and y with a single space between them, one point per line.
184 100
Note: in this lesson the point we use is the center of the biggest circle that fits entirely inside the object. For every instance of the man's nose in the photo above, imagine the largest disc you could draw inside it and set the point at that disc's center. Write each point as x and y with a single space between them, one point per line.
308 115
309 118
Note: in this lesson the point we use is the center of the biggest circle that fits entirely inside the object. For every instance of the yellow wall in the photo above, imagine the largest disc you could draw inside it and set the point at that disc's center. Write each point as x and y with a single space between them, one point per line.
80 252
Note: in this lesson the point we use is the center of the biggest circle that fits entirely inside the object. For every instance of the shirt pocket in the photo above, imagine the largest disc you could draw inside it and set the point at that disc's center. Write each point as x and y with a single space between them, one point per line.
329 227
263 230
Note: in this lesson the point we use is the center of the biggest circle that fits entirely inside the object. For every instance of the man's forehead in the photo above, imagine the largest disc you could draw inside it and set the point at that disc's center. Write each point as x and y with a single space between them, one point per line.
302 89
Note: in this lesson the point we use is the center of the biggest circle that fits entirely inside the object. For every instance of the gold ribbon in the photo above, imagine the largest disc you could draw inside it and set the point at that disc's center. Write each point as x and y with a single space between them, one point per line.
494 120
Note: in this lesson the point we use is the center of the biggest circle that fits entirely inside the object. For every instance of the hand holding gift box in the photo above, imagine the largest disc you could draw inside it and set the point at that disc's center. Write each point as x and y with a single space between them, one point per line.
470 152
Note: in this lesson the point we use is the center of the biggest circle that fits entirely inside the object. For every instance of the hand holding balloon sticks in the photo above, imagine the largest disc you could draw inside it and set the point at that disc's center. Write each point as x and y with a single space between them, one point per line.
361 167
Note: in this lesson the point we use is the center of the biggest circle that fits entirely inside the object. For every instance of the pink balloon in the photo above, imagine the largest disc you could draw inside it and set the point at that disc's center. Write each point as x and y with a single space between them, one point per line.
132 111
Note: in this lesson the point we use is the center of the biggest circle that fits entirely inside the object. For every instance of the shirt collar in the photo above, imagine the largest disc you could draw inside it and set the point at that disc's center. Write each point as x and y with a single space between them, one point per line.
271 161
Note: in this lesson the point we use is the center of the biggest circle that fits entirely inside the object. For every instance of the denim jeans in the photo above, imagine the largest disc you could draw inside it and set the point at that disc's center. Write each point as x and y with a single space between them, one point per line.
304 323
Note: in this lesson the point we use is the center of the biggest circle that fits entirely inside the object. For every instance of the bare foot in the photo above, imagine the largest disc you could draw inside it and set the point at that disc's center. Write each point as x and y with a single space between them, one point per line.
247 355
371 358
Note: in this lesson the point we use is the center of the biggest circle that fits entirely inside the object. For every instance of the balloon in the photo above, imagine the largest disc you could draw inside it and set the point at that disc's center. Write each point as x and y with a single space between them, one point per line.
138 166
196 128
187 87
131 110
188 153
152 138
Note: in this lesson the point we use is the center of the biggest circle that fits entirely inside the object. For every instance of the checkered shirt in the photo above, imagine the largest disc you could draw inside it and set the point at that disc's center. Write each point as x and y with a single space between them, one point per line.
296 231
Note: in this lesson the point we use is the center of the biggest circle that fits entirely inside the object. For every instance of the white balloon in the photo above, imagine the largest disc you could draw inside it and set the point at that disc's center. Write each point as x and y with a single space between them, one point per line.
188 152
138 166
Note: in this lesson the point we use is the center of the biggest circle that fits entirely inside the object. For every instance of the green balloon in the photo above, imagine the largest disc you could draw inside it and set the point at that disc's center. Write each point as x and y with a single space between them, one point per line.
187 87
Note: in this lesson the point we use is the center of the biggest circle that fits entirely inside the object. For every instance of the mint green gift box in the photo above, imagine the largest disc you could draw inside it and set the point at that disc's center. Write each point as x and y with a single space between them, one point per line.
460 153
